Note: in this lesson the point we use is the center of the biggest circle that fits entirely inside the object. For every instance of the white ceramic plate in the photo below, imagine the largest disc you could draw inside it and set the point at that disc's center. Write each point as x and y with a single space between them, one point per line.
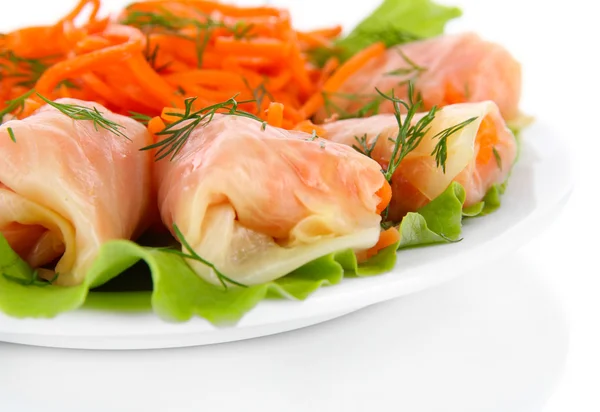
540 185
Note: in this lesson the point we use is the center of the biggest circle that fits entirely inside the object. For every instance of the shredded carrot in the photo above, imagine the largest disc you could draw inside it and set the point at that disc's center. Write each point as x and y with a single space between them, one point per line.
252 53
156 125
275 114
385 195
386 238
341 75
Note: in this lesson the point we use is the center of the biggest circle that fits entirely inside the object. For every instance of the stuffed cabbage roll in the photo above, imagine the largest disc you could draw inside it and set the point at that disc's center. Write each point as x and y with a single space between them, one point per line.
478 156
446 70
67 186
257 204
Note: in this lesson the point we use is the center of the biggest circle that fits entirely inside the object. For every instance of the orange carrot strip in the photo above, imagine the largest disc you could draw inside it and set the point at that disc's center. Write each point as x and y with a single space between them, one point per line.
279 82
386 238
156 125
330 66
385 196
257 47
287 124
275 114
210 78
91 43
153 83
313 40
341 75
329 32
77 65
79 8
299 72
352 65
168 114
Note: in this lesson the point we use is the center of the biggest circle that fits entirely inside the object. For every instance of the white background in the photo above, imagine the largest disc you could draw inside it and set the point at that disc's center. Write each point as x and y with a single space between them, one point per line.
495 340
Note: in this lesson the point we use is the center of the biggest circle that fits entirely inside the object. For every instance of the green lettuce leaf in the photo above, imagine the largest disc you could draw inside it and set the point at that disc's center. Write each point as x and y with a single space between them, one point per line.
179 294
490 203
394 22
440 221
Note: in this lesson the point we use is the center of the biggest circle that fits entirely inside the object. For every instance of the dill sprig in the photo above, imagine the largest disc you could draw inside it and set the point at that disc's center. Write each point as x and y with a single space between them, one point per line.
35 279
15 104
11 134
409 135
177 133
259 93
370 108
168 23
192 255
363 144
140 117
77 112
151 55
440 150
28 70
497 157
413 68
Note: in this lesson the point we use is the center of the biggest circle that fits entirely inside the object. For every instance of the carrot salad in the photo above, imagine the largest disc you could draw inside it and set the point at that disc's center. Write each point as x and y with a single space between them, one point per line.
155 54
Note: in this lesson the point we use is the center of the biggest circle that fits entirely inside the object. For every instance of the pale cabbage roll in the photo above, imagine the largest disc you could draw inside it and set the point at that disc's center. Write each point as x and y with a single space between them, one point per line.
258 204
479 155
67 187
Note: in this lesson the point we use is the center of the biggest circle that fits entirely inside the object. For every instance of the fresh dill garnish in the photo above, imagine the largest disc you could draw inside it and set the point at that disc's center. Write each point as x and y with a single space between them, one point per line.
413 68
409 136
15 104
77 112
26 69
140 117
11 134
364 146
441 148
35 280
497 157
313 136
241 30
192 255
370 108
165 22
177 133
151 54
259 93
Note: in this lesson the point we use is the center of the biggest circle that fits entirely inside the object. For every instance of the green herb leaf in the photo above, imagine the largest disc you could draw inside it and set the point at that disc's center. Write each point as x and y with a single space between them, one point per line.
440 150
77 112
140 117
11 134
17 104
194 256
409 135
177 133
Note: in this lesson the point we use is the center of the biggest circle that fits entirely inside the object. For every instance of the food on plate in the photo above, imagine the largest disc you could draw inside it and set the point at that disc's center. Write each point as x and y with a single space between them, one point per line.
259 204
67 186
205 156
445 70
479 155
